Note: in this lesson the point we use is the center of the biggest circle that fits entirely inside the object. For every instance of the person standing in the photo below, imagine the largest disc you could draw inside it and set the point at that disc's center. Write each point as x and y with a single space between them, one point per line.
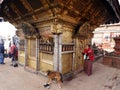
89 58
14 52
2 53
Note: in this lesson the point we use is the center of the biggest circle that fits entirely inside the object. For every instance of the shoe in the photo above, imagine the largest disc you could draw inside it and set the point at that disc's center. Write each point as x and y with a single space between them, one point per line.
16 65
2 63
47 86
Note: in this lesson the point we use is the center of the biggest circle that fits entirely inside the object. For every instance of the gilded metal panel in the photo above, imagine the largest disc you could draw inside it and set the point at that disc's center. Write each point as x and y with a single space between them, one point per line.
32 63
67 61
45 66
21 57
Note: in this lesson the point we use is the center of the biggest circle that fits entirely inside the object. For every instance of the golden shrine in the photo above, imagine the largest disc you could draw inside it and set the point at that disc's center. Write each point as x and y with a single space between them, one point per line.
53 33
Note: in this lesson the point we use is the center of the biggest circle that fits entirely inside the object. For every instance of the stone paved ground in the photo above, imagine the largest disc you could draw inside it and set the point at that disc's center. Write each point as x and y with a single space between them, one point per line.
103 78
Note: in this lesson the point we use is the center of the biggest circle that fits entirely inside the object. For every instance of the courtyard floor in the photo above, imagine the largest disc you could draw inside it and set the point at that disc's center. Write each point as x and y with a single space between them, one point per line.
103 78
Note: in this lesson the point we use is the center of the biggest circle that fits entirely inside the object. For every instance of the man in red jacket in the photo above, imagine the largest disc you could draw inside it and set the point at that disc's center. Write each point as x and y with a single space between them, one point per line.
89 58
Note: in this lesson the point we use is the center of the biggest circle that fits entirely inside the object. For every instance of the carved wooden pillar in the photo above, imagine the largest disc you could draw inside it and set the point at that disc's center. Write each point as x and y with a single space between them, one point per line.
26 52
37 54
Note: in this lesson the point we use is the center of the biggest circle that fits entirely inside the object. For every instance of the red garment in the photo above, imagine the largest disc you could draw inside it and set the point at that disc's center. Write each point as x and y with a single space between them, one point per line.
14 52
88 67
90 53
12 49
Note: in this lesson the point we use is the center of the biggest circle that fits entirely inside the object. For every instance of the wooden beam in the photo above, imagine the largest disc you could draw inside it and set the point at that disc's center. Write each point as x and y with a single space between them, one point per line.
15 9
52 10
29 8
66 4
26 5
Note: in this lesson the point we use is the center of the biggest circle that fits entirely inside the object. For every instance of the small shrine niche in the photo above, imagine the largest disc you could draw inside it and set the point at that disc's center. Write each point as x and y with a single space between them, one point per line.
117 45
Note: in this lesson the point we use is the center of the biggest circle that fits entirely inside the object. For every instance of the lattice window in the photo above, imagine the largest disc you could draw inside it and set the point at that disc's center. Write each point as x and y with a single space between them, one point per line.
46 47
68 47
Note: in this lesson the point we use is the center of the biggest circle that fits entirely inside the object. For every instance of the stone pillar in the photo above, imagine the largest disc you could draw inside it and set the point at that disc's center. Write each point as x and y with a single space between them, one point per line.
56 29
26 52
73 65
37 54
60 52
56 55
